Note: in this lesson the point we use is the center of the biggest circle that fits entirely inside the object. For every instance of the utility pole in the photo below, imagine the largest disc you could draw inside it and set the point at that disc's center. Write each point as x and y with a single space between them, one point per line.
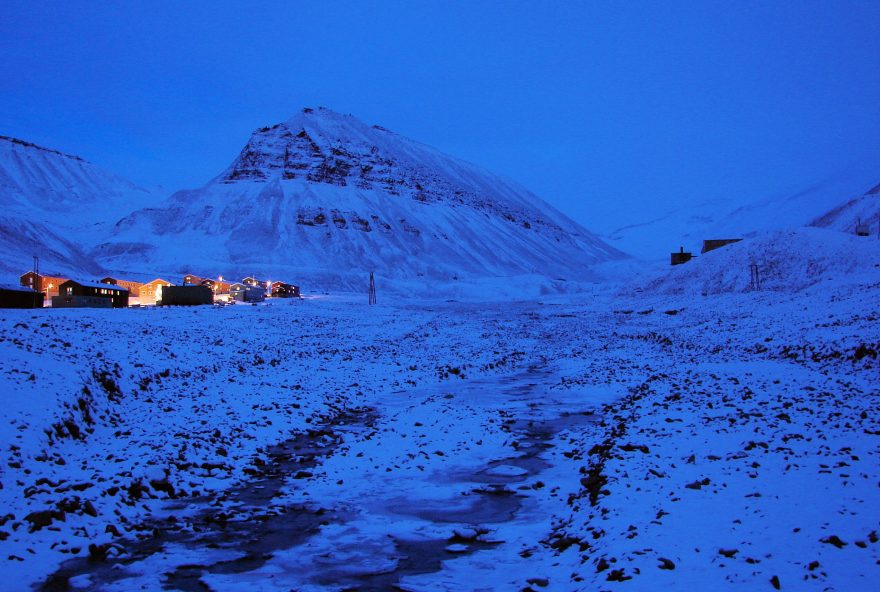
35 280
755 280
372 294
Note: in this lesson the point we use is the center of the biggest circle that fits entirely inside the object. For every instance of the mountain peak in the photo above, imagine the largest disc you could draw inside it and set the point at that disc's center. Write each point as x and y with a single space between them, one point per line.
323 146
326 195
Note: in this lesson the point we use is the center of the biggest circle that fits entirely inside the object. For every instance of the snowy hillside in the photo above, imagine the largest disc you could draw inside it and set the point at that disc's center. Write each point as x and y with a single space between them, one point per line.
787 260
864 209
327 197
56 206
731 218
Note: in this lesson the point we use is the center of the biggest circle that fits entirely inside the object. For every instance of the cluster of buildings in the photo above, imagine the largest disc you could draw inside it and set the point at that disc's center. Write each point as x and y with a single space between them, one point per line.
36 290
708 245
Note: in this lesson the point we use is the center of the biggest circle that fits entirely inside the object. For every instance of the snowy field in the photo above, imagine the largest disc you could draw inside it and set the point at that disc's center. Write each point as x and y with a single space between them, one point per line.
619 440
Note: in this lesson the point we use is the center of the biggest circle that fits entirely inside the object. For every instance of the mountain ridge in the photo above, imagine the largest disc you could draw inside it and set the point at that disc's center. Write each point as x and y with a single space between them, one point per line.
324 194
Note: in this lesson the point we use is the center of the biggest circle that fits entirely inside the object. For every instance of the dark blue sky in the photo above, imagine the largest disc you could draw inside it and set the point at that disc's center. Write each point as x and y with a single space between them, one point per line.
606 109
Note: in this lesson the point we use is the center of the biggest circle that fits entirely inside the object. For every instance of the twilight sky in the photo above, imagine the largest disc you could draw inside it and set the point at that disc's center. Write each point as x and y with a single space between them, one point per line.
612 111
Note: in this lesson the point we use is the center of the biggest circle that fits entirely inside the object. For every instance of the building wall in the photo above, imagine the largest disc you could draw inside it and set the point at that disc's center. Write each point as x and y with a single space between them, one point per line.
20 299
148 293
78 301
186 295
42 283
118 298
712 244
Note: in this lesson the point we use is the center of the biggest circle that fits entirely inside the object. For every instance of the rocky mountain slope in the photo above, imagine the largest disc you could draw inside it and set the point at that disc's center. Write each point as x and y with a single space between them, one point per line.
327 197
57 206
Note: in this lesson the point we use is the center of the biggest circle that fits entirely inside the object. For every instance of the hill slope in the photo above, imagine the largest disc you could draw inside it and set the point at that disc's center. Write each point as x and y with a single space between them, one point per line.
864 209
787 260
729 218
57 206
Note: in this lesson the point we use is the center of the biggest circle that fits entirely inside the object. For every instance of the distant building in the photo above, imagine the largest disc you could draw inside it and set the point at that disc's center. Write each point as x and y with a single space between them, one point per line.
283 290
74 294
862 229
247 293
218 286
20 297
133 287
681 257
252 281
46 284
717 243
192 280
151 291
186 296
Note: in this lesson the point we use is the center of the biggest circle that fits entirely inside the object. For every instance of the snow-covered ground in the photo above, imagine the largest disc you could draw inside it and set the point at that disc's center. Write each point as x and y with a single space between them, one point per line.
644 438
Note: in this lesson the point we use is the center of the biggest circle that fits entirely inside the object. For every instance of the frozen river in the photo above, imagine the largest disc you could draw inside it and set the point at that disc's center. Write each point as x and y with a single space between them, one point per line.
378 498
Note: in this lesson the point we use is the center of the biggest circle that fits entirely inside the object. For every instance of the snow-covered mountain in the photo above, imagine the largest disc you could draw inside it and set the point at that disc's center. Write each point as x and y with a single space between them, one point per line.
728 218
864 209
326 197
57 206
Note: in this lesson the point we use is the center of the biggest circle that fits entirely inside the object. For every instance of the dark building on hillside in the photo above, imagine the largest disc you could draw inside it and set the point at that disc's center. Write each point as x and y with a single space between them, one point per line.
681 257
186 296
717 243
20 297
282 290
246 293
74 294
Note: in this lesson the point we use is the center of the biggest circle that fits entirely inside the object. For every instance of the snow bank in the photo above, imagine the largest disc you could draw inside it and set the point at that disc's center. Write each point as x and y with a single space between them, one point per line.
788 261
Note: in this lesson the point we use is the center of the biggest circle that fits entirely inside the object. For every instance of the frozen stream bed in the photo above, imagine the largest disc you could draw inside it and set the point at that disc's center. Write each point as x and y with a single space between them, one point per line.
437 482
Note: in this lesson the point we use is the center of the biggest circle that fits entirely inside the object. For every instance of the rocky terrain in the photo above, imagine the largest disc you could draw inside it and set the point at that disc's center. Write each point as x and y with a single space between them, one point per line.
626 439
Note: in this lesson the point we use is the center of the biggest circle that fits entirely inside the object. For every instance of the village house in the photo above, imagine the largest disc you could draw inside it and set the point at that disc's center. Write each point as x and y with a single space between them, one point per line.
192 280
19 297
132 286
252 281
717 243
74 294
188 295
151 291
218 286
46 284
283 290
247 293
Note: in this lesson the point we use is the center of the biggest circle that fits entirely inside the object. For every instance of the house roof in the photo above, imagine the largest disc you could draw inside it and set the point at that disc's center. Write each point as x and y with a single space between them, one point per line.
113 279
16 288
43 275
99 285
